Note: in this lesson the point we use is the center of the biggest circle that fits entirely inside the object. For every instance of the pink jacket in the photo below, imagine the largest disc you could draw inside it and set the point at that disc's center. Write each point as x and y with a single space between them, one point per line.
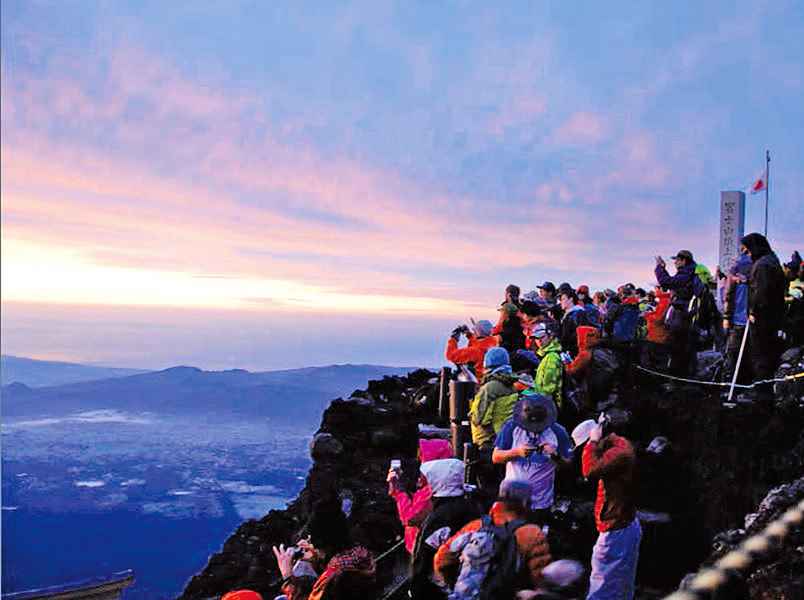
413 509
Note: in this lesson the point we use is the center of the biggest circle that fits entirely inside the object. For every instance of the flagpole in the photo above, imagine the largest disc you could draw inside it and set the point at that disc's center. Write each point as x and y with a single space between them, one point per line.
767 185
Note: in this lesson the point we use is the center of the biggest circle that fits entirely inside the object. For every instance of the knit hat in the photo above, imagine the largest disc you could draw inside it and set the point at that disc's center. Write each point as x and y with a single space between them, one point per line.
534 412
495 357
483 328
515 490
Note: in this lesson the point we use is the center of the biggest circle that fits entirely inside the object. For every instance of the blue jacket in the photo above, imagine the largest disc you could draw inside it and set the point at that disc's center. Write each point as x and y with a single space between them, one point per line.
681 284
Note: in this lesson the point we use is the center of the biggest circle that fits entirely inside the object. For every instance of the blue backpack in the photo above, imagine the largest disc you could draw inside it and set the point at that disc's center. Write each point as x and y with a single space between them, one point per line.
626 324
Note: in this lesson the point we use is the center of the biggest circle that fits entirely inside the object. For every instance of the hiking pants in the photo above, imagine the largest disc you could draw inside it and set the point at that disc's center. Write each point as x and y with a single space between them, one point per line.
682 342
764 350
732 353
614 563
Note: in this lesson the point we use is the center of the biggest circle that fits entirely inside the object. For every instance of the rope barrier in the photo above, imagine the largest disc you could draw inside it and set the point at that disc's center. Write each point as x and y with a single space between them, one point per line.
750 551
747 386
389 551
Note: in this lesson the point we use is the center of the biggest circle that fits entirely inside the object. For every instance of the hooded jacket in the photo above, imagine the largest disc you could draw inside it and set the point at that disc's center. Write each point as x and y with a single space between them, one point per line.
549 374
414 508
588 338
767 283
473 353
575 317
735 307
611 461
681 284
481 414
657 330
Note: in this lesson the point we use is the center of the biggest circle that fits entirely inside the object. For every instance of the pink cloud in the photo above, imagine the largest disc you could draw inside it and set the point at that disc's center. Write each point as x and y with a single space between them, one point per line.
582 128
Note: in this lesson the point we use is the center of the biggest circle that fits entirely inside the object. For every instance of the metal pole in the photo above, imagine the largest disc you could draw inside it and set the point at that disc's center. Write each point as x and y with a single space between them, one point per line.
767 187
739 360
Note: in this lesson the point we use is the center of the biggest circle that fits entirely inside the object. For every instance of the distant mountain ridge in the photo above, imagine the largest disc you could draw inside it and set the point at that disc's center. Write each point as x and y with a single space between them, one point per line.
294 394
41 373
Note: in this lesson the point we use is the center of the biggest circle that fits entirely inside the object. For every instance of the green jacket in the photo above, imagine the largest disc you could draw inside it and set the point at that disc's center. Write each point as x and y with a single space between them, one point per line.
550 372
481 410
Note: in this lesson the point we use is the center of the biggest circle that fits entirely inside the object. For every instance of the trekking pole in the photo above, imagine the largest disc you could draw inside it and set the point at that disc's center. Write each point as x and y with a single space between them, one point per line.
739 359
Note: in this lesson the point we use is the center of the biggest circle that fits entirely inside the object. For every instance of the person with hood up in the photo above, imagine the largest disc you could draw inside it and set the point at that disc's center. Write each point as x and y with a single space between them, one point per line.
451 511
574 316
549 374
735 313
414 508
530 445
766 309
611 460
497 386
347 570
478 341
511 508
682 286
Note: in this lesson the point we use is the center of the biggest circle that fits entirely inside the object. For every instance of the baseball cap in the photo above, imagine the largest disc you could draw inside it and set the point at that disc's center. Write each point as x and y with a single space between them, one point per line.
548 285
686 254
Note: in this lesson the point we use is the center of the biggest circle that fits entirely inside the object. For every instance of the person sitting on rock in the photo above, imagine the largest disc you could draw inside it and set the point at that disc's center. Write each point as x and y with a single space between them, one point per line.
347 571
451 510
413 508
478 341
530 445
498 383
511 510
610 459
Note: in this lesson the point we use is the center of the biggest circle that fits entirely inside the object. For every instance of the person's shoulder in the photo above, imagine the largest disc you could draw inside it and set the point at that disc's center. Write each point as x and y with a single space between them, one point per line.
559 429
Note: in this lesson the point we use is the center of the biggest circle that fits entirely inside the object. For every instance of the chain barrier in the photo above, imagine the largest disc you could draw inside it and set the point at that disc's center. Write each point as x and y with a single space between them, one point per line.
750 551
745 386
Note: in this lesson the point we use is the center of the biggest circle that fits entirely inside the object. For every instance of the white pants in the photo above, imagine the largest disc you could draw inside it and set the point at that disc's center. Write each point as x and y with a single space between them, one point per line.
614 563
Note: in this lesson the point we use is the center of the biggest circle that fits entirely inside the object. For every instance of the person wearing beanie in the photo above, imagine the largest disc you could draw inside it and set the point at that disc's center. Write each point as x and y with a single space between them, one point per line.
479 339
511 507
766 310
347 571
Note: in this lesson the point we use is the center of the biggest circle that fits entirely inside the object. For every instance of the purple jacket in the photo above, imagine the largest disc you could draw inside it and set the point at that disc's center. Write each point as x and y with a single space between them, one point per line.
681 283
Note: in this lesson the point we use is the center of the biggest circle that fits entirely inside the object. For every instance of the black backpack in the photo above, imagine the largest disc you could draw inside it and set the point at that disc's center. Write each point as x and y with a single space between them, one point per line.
491 566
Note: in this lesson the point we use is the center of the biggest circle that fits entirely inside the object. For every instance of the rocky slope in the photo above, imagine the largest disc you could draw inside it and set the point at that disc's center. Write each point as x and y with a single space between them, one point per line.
712 467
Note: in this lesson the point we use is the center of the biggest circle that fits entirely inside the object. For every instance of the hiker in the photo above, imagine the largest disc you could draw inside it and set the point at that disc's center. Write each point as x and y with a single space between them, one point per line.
581 366
509 325
530 446
657 340
414 508
735 314
681 284
468 564
585 300
599 302
766 308
451 511
574 315
346 571
242 595
497 386
611 459
622 318
478 341
550 372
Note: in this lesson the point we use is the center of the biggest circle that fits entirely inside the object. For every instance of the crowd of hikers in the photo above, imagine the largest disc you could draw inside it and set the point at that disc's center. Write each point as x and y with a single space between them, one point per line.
542 370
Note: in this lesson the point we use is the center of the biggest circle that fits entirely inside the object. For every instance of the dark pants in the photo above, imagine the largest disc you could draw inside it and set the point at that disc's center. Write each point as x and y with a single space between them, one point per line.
681 342
733 342
764 349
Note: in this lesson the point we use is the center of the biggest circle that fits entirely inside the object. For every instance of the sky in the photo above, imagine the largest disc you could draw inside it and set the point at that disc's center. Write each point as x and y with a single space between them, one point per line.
271 185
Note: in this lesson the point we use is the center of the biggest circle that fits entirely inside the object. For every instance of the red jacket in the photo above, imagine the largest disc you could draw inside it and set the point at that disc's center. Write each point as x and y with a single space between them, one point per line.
588 337
355 565
414 508
473 353
612 461
657 330
530 541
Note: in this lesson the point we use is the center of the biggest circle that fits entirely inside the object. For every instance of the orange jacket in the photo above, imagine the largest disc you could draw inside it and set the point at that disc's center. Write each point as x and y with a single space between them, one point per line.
530 541
657 330
588 338
473 353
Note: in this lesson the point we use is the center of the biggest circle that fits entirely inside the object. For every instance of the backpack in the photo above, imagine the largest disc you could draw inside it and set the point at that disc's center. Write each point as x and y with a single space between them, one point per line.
626 323
491 566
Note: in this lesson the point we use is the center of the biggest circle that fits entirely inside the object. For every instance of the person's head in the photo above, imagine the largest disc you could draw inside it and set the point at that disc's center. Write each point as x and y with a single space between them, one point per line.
599 298
515 495
567 299
445 477
534 412
583 292
328 528
547 290
651 297
756 245
682 258
564 287
495 357
512 293
483 328
543 333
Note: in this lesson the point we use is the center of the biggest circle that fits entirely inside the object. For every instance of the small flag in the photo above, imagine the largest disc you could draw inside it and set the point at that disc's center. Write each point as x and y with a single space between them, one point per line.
760 183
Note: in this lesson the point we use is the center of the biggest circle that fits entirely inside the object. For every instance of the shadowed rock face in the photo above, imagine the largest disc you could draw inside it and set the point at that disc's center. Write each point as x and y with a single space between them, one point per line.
715 466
